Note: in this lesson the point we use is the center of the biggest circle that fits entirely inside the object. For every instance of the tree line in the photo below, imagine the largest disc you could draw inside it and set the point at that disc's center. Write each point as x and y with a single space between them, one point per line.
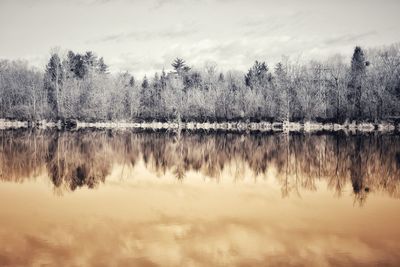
80 86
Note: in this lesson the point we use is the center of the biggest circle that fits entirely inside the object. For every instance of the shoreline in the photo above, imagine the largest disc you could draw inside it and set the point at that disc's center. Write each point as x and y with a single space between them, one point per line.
224 126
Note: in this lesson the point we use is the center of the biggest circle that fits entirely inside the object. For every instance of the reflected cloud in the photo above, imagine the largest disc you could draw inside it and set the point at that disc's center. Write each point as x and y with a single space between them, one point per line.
225 242
234 215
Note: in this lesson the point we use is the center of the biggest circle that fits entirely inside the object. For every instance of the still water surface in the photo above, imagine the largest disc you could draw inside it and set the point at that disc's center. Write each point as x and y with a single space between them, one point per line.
109 198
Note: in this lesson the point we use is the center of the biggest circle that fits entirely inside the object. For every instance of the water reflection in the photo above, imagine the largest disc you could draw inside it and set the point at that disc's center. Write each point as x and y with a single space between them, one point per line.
148 211
370 163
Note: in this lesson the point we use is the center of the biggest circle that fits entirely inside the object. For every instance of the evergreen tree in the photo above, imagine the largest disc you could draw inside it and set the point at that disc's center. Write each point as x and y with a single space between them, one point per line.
70 64
357 77
163 80
145 83
257 75
90 59
180 66
54 76
101 66
132 81
77 65
146 99
192 80
129 83
221 77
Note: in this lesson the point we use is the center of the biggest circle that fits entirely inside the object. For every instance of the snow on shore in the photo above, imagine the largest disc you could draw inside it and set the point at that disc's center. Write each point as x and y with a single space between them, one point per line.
224 126
249 126
8 124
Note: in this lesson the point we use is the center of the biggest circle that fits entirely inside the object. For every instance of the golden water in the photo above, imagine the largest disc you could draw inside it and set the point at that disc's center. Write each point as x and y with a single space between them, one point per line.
108 198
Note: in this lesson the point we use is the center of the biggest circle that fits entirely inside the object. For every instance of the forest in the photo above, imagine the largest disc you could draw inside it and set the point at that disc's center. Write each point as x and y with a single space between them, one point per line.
79 86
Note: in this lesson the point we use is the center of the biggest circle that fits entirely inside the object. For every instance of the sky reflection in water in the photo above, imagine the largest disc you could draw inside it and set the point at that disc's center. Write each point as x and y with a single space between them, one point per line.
158 199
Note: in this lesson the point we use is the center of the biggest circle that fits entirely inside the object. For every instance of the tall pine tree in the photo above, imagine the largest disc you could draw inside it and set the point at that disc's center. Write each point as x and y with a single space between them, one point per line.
53 80
357 77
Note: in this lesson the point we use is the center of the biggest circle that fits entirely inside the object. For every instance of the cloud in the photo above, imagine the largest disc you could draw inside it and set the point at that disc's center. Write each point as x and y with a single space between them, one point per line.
230 54
147 35
161 3
155 4
272 25
101 2
349 38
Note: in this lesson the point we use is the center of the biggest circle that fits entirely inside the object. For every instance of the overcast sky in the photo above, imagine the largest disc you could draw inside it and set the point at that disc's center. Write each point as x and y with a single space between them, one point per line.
144 36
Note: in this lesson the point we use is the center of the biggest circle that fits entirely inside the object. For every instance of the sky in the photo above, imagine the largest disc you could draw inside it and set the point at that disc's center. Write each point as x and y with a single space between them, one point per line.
145 36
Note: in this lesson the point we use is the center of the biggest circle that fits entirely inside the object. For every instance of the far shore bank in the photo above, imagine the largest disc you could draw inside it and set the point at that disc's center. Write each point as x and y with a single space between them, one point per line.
383 126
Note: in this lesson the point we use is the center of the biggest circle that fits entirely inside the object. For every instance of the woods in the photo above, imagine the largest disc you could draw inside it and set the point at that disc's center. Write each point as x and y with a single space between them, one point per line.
80 86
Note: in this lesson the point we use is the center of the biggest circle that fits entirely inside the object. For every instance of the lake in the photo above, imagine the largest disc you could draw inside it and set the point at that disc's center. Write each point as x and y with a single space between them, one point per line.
145 198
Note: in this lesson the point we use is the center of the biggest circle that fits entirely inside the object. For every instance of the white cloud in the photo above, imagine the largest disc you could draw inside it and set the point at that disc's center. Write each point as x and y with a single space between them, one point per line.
144 36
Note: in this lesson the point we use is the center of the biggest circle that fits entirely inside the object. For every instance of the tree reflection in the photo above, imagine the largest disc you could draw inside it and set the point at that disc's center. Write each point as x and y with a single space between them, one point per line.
76 160
85 158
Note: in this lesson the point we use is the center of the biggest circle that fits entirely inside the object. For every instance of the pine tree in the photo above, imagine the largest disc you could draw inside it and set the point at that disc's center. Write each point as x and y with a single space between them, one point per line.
70 64
54 76
357 77
145 83
257 75
180 66
101 66
132 81
146 99
90 59
221 77
163 80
